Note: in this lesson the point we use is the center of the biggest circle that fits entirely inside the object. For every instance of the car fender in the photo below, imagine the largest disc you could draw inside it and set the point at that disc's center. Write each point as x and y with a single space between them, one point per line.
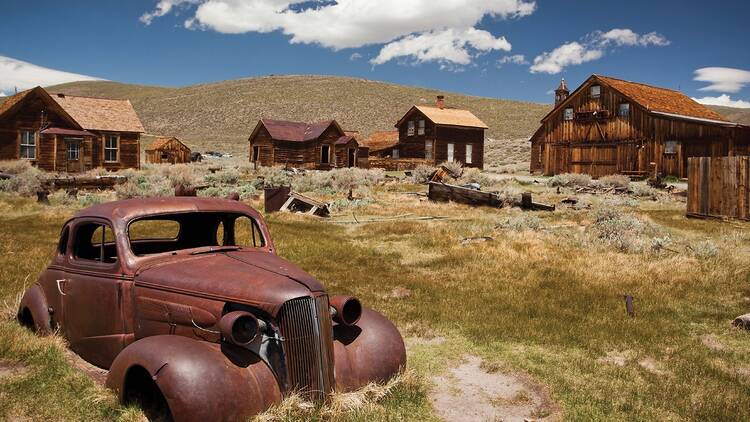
36 303
371 350
199 380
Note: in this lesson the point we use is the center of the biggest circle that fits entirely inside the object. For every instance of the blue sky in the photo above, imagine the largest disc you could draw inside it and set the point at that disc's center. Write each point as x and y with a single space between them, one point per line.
516 49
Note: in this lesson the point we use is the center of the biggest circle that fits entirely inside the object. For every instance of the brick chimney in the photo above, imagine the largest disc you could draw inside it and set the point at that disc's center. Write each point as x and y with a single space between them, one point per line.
440 103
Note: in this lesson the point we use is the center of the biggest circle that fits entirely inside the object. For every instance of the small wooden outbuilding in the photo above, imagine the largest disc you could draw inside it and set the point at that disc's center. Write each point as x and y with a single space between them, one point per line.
167 150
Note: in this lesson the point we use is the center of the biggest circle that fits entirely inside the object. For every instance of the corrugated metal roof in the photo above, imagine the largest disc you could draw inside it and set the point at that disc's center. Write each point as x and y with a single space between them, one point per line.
284 130
451 117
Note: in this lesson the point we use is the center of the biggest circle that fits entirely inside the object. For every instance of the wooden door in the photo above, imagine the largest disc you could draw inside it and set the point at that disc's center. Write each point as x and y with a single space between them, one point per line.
352 157
593 159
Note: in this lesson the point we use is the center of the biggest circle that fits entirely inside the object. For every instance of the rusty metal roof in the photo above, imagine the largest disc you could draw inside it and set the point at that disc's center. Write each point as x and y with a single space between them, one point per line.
284 130
129 209
66 132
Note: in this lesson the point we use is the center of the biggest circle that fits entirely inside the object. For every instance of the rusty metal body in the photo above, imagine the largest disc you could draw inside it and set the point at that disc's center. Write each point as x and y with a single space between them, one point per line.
151 310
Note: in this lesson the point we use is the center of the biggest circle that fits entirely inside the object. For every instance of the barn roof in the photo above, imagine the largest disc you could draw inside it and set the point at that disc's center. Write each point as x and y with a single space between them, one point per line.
163 141
379 141
448 116
654 99
285 130
100 113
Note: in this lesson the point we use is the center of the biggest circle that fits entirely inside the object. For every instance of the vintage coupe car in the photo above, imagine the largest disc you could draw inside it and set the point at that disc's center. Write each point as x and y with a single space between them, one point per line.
186 303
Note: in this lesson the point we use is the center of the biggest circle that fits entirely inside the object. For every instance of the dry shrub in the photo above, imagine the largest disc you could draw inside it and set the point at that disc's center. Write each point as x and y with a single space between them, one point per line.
705 249
453 166
26 179
338 180
141 185
521 223
272 177
227 176
569 180
615 181
619 230
473 175
245 190
642 190
422 173
179 174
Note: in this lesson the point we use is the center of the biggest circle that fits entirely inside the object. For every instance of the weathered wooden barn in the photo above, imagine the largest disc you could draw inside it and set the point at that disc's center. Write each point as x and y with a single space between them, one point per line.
610 126
320 145
167 150
441 133
59 132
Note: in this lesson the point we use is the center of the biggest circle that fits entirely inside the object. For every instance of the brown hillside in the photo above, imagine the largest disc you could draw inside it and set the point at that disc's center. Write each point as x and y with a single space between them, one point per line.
739 115
220 116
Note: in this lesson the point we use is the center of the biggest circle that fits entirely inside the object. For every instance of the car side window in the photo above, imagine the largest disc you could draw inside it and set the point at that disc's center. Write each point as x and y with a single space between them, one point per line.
95 241
62 246
246 233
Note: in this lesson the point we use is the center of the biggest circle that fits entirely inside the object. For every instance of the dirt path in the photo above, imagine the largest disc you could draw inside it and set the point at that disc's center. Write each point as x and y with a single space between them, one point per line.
469 393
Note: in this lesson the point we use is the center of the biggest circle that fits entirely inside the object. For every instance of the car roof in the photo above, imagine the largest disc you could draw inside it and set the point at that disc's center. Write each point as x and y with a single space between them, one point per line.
129 209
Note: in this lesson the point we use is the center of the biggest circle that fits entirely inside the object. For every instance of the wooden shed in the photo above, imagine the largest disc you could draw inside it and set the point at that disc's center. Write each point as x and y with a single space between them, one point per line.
60 132
167 150
610 126
318 145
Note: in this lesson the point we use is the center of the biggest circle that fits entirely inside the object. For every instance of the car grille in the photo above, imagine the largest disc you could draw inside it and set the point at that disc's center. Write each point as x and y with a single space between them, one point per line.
308 345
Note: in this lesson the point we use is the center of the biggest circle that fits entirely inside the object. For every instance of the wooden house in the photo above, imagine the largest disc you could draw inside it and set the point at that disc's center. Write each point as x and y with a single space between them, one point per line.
381 144
59 132
437 134
320 145
167 150
610 126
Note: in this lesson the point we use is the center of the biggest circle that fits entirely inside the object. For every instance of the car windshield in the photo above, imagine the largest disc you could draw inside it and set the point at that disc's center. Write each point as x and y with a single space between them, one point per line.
201 232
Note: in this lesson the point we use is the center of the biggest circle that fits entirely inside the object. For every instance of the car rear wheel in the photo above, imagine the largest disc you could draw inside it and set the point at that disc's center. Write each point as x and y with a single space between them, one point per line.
142 391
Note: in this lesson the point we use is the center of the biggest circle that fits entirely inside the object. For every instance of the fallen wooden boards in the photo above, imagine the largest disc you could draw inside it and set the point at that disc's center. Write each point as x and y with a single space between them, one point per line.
443 192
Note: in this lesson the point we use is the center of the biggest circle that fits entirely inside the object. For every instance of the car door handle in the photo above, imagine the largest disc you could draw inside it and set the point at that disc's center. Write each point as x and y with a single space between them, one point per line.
59 286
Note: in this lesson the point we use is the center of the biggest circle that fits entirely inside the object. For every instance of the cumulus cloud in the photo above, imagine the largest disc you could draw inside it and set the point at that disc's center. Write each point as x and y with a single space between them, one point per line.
518 59
723 100
722 79
593 47
23 75
405 27
450 45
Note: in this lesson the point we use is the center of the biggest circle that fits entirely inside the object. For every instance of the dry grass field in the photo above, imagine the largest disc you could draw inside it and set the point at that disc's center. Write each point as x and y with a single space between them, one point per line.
541 302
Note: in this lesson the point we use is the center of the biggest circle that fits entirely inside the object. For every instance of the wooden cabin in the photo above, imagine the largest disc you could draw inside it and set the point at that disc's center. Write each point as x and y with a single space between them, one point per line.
611 126
167 150
440 133
381 144
320 145
59 132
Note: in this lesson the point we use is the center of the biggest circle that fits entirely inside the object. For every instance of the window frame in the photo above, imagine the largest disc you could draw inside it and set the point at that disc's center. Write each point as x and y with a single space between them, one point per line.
85 262
599 91
420 127
469 151
450 151
105 149
566 117
410 130
670 151
22 145
68 143
620 108
256 153
431 143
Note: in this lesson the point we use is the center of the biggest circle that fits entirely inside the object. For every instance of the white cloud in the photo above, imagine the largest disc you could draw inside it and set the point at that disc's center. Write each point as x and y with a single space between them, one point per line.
518 59
593 47
723 100
449 45
355 56
723 79
2 94
403 25
565 55
17 74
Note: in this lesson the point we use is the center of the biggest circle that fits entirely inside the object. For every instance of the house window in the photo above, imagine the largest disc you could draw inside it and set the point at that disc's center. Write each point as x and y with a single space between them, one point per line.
256 153
111 148
469 150
568 114
428 149
74 149
28 145
325 154
410 128
670 147
420 130
596 91
623 110
451 147
394 153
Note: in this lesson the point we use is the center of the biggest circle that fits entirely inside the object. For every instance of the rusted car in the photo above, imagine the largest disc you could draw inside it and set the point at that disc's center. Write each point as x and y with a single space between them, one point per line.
186 303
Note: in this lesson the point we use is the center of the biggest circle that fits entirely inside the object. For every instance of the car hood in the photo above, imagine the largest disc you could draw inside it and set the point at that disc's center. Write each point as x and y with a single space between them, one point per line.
257 278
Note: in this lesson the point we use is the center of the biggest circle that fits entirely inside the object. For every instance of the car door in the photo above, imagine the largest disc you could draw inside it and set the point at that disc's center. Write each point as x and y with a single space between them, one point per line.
92 294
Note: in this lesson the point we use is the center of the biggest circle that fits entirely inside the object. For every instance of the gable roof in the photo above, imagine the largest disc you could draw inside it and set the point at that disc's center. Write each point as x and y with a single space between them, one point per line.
447 116
100 114
654 99
163 141
379 141
285 130
14 101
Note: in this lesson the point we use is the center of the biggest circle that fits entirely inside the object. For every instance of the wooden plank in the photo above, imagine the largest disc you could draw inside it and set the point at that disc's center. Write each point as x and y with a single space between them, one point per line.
444 192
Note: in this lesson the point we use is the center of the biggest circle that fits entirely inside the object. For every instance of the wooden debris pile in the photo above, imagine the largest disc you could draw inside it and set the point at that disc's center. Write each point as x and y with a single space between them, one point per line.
284 199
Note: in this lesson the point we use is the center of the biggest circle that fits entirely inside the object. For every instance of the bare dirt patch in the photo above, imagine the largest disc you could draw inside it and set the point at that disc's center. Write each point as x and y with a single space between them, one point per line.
469 393
616 358
11 370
